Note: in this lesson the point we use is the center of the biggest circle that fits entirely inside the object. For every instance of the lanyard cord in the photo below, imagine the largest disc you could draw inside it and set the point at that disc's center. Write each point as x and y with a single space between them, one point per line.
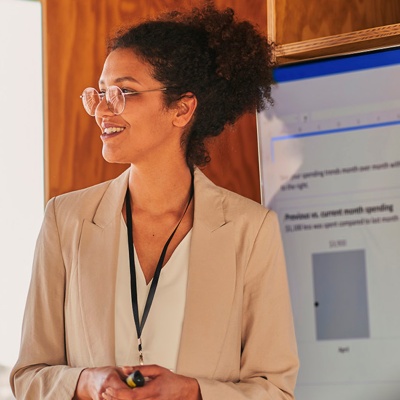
140 324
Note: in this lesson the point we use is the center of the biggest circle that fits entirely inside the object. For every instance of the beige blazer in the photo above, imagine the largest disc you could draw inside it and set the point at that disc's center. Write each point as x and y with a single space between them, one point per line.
238 337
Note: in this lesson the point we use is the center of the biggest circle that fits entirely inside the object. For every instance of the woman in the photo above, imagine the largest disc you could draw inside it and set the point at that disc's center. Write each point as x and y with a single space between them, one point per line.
208 319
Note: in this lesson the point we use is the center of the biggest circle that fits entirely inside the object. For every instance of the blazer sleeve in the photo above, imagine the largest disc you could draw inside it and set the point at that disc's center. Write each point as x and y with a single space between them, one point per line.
269 360
41 371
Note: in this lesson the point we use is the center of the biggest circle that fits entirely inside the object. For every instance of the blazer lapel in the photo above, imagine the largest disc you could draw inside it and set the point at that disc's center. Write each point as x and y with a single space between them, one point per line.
211 282
97 262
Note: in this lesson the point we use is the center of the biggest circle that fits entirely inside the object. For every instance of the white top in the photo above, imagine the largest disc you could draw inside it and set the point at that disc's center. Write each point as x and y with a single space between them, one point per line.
161 334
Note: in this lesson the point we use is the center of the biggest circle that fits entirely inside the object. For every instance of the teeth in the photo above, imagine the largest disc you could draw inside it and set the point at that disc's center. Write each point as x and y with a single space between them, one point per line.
113 130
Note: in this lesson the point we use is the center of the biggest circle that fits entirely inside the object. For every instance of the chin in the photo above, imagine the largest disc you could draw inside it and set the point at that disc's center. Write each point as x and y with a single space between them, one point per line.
113 158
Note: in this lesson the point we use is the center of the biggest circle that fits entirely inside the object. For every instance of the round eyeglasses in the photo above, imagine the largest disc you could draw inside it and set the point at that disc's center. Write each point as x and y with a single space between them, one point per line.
115 98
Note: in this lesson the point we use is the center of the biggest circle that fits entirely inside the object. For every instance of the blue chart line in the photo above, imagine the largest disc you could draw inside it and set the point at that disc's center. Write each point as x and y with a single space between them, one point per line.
328 132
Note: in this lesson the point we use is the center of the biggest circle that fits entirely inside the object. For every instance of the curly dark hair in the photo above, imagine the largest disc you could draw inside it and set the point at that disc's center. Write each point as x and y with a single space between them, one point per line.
226 63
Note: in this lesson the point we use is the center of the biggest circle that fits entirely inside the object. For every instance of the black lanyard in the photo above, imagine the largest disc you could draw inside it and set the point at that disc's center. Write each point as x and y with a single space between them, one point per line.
153 287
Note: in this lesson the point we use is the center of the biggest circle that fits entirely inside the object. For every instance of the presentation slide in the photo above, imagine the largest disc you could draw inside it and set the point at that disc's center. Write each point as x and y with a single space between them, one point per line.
330 168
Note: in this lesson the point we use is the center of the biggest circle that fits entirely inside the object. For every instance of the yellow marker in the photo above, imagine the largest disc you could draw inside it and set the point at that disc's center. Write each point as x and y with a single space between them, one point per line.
135 379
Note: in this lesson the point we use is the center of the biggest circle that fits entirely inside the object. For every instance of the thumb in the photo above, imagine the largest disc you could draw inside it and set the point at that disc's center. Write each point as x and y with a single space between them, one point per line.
126 370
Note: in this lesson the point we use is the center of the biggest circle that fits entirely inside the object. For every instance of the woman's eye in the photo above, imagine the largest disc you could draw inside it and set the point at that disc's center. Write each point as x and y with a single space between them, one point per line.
128 91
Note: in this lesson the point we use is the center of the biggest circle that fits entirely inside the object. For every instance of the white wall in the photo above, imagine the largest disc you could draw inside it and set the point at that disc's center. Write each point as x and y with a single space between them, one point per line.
21 162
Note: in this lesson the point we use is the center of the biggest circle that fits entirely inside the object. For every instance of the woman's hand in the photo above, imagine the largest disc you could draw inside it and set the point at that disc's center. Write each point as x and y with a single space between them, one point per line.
162 385
93 382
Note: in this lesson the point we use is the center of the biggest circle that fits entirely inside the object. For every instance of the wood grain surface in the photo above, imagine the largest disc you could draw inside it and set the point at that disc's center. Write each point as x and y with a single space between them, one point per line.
298 20
345 43
75 33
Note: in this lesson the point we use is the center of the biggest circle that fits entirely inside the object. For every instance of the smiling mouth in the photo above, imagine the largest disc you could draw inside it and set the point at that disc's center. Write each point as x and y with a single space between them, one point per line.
110 130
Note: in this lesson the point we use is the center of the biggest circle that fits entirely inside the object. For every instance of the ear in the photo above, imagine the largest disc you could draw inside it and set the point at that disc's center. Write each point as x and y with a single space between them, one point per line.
185 108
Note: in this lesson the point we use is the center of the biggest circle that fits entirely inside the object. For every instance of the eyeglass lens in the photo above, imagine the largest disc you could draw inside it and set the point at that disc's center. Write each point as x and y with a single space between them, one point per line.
114 98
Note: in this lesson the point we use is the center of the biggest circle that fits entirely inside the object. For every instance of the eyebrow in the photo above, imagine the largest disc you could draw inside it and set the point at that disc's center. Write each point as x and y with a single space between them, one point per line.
122 79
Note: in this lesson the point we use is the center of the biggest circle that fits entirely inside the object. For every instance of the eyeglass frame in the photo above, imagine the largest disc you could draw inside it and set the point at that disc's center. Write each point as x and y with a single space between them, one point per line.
124 94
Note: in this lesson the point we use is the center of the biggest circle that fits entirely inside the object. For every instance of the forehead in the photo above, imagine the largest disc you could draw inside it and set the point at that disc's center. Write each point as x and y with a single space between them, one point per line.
124 63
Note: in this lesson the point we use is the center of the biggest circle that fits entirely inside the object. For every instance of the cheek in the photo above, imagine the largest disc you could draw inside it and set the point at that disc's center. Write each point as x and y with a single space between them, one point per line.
98 121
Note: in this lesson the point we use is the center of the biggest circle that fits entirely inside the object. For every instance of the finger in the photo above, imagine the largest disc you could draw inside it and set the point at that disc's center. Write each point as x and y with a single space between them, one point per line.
107 396
126 370
151 371
117 394
123 372
129 394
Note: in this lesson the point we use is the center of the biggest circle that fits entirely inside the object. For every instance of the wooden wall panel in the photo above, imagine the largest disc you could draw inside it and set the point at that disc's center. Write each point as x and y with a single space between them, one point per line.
75 33
298 20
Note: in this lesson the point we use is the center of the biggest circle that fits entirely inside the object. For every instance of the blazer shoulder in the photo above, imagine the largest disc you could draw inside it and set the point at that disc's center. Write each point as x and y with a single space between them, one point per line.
217 206
235 203
81 198
84 203
232 202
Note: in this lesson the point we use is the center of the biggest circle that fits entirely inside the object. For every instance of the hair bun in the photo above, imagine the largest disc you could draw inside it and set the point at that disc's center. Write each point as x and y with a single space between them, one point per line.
225 62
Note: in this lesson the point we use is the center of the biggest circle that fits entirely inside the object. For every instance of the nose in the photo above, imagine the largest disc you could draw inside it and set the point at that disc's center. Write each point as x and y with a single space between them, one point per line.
102 109
102 112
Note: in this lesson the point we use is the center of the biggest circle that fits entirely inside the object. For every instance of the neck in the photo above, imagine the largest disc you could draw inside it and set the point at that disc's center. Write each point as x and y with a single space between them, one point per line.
160 191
